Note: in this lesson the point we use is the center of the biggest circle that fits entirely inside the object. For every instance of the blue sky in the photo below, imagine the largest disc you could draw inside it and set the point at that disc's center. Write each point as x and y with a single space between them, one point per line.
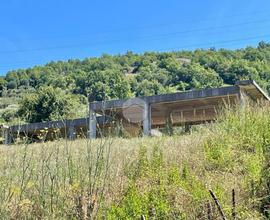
34 32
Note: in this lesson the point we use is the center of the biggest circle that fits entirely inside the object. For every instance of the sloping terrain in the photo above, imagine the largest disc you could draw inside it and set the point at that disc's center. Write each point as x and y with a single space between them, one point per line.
159 178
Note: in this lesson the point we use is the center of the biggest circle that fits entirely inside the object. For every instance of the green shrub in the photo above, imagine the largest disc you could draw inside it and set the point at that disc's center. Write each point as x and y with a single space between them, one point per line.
9 115
239 143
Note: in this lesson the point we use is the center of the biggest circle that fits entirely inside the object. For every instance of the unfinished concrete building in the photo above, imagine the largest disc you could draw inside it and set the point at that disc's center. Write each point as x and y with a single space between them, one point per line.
141 115
177 109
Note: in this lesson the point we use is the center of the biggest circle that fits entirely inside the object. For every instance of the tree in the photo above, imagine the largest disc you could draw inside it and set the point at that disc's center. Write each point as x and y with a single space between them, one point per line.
9 115
147 88
48 104
196 76
153 73
12 85
107 84
121 76
263 45
3 84
240 70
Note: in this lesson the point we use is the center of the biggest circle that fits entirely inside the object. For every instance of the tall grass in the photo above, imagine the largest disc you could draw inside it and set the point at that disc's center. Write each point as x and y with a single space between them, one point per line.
160 178
53 180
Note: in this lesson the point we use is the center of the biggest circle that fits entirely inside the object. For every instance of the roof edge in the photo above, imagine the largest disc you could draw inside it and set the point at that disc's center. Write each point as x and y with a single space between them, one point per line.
252 82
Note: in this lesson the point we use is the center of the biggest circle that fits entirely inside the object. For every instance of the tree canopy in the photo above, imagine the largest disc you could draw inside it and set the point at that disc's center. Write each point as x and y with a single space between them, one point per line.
48 104
122 76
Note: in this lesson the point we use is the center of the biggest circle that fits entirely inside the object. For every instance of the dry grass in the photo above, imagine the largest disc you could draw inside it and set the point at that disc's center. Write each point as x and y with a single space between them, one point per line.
85 179
28 171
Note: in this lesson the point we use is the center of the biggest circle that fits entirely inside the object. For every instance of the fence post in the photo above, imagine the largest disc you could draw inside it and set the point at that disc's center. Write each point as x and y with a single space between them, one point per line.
233 205
217 204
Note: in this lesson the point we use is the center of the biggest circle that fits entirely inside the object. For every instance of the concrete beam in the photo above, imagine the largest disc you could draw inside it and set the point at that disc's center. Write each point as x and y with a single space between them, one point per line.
180 96
79 122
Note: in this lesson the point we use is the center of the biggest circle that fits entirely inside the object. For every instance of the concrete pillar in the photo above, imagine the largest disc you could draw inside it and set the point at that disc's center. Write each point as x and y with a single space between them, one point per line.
169 124
92 124
7 136
71 132
147 119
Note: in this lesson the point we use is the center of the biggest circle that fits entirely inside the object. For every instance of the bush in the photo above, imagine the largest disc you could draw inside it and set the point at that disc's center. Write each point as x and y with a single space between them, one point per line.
9 115
48 104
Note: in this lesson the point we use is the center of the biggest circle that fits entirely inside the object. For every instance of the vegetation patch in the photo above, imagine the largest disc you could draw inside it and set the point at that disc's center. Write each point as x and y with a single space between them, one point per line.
158 178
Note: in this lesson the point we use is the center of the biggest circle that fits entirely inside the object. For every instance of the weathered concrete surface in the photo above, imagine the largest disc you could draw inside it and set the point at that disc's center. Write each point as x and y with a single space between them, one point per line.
92 124
147 119
189 95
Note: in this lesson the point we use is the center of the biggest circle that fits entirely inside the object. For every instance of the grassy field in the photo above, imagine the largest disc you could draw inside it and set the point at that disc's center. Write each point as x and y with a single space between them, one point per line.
158 177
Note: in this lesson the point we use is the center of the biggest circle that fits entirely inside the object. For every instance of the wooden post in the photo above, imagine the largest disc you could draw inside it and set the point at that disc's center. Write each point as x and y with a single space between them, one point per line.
147 119
218 205
233 205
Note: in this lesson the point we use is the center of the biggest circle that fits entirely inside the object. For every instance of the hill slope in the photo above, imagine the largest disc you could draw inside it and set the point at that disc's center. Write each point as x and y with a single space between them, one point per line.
160 178
122 76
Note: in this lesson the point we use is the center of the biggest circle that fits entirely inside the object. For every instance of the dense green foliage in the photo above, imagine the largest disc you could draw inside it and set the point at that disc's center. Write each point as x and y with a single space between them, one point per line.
49 104
122 76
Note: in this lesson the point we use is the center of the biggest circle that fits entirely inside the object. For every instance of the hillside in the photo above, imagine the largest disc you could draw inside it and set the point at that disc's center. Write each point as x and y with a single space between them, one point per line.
122 76
160 178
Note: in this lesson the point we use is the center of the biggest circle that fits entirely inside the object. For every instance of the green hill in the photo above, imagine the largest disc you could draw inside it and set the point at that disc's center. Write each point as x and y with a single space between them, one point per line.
122 76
